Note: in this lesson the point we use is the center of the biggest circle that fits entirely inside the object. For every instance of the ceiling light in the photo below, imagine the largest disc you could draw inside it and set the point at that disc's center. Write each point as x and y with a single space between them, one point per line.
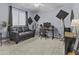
38 4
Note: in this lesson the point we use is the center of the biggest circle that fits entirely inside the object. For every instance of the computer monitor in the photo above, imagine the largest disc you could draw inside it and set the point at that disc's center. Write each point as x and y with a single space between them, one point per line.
47 24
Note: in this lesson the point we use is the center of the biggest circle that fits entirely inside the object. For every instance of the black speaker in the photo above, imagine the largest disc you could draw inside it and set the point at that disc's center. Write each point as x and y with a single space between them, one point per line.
37 17
30 20
62 14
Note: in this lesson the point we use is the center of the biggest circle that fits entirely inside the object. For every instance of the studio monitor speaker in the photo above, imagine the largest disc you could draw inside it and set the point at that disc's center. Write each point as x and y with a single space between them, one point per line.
37 17
62 14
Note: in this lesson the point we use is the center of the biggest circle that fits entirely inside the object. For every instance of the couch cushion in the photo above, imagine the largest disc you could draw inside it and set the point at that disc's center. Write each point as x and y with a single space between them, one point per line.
25 29
20 29
24 33
13 29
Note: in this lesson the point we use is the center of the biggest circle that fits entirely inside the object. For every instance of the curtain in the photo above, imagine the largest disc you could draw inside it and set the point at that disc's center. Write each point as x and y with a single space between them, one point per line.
10 16
9 21
72 15
26 18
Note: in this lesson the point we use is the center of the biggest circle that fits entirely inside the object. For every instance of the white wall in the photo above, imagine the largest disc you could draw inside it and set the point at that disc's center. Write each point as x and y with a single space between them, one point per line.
31 14
3 12
50 16
3 16
76 10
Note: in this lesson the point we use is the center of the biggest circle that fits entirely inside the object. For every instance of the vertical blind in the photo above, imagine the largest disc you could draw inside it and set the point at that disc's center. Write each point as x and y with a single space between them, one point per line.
18 17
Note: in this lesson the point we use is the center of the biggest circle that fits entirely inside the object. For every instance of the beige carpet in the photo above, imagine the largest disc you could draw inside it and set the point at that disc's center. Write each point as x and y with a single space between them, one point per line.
33 46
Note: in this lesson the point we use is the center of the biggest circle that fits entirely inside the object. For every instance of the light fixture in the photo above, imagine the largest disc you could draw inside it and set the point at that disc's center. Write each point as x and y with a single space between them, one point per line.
75 23
38 4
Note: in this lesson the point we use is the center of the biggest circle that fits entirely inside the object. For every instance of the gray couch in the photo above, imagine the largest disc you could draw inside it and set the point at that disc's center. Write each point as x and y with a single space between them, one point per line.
20 33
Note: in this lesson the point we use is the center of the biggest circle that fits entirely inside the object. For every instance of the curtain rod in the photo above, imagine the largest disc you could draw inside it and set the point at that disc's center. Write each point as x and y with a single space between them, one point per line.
18 9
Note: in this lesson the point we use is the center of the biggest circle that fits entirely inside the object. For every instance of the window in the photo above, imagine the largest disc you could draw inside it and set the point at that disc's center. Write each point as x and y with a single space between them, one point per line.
22 19
19 17
15 16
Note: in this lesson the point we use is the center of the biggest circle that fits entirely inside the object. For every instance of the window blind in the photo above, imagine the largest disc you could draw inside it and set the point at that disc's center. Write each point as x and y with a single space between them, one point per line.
18 17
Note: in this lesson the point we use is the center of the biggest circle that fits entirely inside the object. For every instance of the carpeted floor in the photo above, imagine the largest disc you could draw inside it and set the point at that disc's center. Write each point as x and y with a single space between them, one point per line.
33 46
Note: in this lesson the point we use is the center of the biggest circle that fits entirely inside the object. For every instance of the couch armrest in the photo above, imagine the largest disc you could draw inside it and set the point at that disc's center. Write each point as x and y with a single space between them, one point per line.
14 34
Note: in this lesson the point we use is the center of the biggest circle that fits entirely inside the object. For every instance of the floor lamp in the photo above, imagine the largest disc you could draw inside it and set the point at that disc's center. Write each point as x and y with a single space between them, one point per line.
75 24
62 15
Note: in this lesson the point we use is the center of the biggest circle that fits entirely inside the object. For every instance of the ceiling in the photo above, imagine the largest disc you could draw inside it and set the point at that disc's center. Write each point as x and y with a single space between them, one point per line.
44 6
